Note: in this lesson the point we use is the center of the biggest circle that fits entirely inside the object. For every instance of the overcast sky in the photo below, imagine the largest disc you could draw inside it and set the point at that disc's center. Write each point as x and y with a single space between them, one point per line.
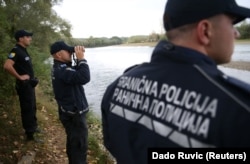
107 18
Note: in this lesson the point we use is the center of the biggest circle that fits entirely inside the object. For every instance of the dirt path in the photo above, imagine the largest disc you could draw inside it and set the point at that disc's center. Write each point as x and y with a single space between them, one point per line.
54 140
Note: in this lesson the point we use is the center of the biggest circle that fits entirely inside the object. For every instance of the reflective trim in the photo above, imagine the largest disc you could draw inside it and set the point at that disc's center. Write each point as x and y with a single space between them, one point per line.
159 128
82 62
79 112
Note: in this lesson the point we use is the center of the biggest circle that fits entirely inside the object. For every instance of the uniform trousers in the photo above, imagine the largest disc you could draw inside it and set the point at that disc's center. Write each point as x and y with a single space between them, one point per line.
77 137
27 99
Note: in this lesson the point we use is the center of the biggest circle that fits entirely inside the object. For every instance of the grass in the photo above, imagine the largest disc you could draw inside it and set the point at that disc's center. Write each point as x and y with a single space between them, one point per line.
14 147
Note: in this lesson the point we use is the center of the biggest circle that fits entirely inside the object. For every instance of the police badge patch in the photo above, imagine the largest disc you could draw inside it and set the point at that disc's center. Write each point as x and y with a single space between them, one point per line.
12 55
27 58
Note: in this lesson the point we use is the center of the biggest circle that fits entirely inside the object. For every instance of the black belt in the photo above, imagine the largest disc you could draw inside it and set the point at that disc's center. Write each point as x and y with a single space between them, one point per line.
70 112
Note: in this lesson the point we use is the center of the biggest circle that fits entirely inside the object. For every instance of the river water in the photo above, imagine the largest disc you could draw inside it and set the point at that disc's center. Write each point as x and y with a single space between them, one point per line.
107 63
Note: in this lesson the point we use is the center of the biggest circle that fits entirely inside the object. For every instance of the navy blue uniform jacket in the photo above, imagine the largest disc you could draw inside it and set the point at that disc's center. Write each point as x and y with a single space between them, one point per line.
178 99
68 84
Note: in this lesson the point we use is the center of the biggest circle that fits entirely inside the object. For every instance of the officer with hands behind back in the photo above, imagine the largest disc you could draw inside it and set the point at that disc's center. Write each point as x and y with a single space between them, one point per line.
180 98
68 81
19 65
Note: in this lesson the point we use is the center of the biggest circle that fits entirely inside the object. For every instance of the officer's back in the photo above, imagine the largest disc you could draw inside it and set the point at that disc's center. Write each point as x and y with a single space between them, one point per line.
180 98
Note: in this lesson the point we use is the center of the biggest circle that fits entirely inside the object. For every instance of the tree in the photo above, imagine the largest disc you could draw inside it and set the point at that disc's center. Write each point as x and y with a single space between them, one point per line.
154 37
244 30
37 16
4 26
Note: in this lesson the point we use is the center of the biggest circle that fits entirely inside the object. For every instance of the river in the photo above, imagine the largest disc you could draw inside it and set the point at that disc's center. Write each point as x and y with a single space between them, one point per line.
107 63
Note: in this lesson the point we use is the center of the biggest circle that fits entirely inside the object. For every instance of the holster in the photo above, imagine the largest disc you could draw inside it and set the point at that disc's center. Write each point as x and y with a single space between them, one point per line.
33 82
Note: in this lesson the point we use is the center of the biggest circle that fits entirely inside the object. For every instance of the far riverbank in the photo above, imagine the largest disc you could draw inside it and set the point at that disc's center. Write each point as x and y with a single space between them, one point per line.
242 65
152 44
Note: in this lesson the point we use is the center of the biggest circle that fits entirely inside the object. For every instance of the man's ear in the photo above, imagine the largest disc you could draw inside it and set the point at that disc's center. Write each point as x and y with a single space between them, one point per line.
204 32
58 54
21 39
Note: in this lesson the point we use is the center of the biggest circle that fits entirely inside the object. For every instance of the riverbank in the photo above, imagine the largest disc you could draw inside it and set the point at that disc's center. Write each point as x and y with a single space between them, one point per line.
242 65
153 44
150 44
15 149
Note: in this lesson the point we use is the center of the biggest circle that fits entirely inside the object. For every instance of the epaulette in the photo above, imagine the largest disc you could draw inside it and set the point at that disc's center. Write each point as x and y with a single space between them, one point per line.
236 82
131 67
228 79
244 87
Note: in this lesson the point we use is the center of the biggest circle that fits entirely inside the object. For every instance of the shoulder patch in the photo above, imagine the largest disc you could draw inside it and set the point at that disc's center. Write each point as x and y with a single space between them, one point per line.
27 58
12 55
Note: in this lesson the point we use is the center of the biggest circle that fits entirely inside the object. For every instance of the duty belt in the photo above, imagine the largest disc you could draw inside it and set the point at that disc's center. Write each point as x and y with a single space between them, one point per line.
70 112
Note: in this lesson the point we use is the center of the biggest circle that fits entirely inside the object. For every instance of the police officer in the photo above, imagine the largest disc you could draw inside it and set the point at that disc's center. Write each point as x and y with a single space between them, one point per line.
68 81
19 65
180 98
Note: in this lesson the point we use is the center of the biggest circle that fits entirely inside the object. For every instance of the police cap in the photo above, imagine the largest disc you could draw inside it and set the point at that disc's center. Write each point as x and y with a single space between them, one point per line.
60 45
22 33
182 12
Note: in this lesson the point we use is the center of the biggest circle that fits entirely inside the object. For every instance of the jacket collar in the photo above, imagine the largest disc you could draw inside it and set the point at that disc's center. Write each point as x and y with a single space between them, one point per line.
166 51
56 62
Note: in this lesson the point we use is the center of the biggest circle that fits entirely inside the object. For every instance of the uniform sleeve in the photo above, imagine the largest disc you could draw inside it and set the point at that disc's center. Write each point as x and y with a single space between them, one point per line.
105 126
79 75
105 109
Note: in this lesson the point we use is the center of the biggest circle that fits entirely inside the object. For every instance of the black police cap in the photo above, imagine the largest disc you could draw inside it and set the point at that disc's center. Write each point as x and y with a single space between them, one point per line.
22 33
181 12
60 45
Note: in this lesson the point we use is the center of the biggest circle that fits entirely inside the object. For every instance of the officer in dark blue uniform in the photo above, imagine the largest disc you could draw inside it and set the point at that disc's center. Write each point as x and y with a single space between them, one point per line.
20 66
68 81
180 98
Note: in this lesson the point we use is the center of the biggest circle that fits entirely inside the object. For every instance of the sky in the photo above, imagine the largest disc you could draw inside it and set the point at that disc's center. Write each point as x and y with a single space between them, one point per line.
108 18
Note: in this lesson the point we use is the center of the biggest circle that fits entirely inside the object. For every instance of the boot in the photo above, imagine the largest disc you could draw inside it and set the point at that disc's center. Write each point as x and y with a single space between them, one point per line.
30 137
